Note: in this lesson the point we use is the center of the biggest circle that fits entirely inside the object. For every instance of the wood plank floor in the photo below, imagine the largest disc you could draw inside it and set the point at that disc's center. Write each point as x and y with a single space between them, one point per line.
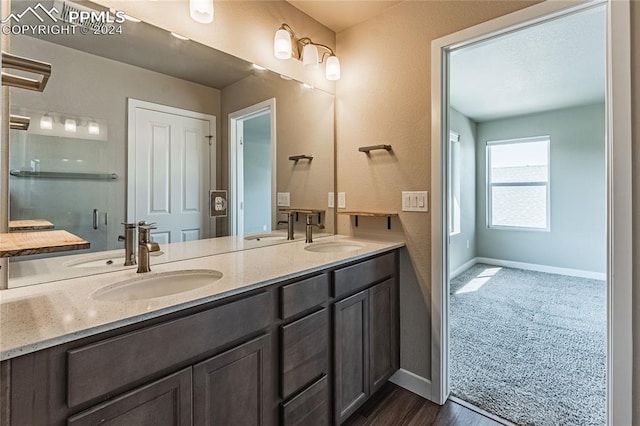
393 405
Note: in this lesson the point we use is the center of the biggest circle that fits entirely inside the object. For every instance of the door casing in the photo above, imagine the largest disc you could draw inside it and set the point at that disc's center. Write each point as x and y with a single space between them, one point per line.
619 202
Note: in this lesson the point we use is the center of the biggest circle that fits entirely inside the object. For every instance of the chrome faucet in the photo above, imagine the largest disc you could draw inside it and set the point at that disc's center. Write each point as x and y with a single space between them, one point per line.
129 243
310 225
145 246
289 223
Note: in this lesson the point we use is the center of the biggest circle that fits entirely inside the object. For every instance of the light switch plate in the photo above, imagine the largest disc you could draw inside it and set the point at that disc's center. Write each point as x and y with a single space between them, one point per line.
415 201
284 199
342 200
330 200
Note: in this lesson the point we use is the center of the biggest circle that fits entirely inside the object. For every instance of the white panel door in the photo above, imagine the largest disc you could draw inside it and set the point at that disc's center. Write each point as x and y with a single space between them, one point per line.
172 175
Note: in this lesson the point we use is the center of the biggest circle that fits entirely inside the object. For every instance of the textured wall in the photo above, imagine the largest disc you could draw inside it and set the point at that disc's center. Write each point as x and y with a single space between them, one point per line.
577 237
384 97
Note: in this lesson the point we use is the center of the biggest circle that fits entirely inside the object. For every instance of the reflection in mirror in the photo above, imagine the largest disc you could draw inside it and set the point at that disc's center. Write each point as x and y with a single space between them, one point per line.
142 125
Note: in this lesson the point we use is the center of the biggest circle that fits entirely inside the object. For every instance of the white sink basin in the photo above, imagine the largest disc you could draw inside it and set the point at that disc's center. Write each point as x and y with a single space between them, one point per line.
334 247
150 285
102 260
266 237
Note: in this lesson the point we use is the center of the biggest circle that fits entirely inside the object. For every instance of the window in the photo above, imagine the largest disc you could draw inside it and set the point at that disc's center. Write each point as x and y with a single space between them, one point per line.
454 183
518 183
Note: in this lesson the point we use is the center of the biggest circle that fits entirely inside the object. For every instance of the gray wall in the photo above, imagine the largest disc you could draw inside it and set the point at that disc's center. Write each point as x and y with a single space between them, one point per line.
459 253
577 239
257 174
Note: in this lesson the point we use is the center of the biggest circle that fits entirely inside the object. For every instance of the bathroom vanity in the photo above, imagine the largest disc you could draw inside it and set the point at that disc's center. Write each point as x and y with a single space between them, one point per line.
303 341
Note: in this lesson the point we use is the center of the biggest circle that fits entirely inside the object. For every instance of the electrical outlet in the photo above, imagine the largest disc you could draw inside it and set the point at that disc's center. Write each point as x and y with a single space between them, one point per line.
415 201
284 199
342 200
331 200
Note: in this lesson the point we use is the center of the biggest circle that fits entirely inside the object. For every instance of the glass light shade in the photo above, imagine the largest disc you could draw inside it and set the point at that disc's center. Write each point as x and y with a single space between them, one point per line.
333 68
310 55
282 44
46 122
94 128
70 125
201 11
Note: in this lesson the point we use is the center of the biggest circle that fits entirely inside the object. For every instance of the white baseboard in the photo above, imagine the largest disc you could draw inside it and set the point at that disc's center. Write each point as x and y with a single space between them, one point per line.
542 268
412 382
460 269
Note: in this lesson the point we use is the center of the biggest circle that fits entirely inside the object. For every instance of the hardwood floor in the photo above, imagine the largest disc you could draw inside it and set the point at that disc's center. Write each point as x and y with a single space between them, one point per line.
393 405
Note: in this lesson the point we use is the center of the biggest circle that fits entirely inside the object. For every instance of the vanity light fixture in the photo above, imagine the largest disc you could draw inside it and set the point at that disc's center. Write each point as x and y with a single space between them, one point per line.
179 36
94 128
201 11
70 125
46 122
287 45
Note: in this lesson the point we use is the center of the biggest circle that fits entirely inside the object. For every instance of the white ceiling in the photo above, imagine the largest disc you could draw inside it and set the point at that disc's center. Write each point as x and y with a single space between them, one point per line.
554 65
338 15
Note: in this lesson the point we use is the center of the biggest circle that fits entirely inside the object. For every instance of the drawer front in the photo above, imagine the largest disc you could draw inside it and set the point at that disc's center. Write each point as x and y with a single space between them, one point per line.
104 367
360 275
164 402
305 351
311 407
303 295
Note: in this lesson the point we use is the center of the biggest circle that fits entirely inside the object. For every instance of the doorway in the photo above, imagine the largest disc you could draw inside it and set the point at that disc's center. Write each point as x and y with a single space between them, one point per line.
253 168
171 168
618 208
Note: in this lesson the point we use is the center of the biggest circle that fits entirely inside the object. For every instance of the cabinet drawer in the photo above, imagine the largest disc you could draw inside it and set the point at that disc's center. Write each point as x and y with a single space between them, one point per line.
360 275
303 295
104 367
164 402
311 407
305 346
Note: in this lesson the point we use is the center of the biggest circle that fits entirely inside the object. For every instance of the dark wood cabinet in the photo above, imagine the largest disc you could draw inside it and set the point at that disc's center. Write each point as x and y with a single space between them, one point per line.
384 357
305 351
233 388
351 354
165 402
365 346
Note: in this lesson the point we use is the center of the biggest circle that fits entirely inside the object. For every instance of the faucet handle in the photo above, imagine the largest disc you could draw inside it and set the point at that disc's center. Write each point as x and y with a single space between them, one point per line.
145 225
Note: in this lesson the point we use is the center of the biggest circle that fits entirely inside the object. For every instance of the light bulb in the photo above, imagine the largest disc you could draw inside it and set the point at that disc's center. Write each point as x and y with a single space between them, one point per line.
310 55
201 11
333 68
94 128
70 125
46 122
282 44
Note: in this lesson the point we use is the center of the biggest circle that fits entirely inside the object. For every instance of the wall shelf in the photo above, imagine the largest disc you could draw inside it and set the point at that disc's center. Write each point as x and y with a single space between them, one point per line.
29 225
297 158
357 214
26 243
367 149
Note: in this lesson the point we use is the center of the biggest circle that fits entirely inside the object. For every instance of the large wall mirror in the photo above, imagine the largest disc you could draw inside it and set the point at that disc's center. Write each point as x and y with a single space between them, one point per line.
141 126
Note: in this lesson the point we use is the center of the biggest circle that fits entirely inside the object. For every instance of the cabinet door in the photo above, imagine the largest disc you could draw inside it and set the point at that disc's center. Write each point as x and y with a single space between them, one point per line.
351 354
164 402
233 388
383 333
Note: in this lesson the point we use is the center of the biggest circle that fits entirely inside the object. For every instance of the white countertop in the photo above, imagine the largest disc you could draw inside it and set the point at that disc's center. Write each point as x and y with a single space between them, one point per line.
41 316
